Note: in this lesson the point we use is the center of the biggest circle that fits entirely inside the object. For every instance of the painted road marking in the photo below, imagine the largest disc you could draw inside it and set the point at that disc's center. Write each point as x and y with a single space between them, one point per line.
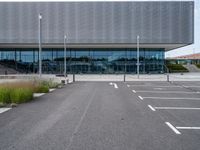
151 108
128 85
2 110
175 98
188 128
134 91
157 88
190 86
172 127
115 85
140 97
158 85
178 108
180 92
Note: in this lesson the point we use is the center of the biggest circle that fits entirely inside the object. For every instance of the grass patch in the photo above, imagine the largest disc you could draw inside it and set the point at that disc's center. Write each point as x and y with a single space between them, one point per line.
21 95
5 95
20 92
40 88
50 84
198 66
175 68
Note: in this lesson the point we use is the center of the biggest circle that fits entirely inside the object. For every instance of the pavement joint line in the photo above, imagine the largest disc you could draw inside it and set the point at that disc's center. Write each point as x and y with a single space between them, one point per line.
140 97
151 107
176 98
167 92
2 110
188 128
133 91
172 127
81 120
178 108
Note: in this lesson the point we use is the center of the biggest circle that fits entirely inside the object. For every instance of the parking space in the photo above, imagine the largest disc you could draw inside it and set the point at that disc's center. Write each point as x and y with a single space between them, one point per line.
177 103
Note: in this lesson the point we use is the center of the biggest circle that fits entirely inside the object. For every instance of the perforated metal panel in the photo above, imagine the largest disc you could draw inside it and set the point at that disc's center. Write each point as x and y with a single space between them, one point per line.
98 22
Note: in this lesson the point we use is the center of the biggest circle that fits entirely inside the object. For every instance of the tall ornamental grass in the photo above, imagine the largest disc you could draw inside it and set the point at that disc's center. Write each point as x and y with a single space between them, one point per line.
5 95
20 92
21 95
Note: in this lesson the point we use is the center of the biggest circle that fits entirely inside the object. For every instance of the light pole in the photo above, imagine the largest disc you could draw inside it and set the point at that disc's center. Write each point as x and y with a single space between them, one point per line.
40 45
65 38
138 56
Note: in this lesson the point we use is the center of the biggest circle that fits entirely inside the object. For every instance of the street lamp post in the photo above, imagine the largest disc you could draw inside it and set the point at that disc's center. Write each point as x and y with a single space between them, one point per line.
138 56
40 45
65 38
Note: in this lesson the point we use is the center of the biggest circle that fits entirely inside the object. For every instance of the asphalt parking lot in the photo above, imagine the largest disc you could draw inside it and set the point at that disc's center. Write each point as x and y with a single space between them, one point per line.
177 103
107 116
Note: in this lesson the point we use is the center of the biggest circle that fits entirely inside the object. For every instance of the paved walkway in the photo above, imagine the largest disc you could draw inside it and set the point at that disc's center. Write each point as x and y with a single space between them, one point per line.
134 77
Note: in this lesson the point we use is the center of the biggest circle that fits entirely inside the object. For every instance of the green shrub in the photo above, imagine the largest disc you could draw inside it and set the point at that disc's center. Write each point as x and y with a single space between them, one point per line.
198 65
176 68
41 89
21 95
5 95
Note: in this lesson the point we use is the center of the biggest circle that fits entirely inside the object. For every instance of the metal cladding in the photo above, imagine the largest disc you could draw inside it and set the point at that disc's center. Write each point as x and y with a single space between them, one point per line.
98 22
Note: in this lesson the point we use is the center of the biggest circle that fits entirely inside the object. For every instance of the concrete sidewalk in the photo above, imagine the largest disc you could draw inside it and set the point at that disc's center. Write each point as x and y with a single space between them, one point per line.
133 77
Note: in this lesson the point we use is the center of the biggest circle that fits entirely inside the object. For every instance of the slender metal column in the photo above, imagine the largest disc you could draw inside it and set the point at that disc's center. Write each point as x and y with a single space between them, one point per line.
65 38
40 45
138 56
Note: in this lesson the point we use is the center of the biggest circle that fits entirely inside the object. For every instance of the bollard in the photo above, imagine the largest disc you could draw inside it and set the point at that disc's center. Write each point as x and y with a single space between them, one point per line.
167 77
73 77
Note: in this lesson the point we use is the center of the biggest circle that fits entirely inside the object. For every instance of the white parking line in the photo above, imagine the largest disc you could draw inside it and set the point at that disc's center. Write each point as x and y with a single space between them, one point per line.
180 92
158 85
151 108
157 88
175 98
188 128
110 83
2 110
178 108
128 85
134 91
140 97
172 127
190 86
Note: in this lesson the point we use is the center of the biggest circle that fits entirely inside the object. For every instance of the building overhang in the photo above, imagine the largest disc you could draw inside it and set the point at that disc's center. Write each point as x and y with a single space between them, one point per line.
167 47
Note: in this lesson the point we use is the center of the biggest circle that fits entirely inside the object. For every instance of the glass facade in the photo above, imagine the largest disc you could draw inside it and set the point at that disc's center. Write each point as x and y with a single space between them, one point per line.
90 60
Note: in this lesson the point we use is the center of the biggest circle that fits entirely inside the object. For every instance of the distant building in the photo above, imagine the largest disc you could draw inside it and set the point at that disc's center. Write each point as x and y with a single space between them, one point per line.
185 59
101 36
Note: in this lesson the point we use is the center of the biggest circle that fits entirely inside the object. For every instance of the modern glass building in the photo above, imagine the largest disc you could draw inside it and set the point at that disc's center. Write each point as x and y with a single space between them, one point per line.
101 36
